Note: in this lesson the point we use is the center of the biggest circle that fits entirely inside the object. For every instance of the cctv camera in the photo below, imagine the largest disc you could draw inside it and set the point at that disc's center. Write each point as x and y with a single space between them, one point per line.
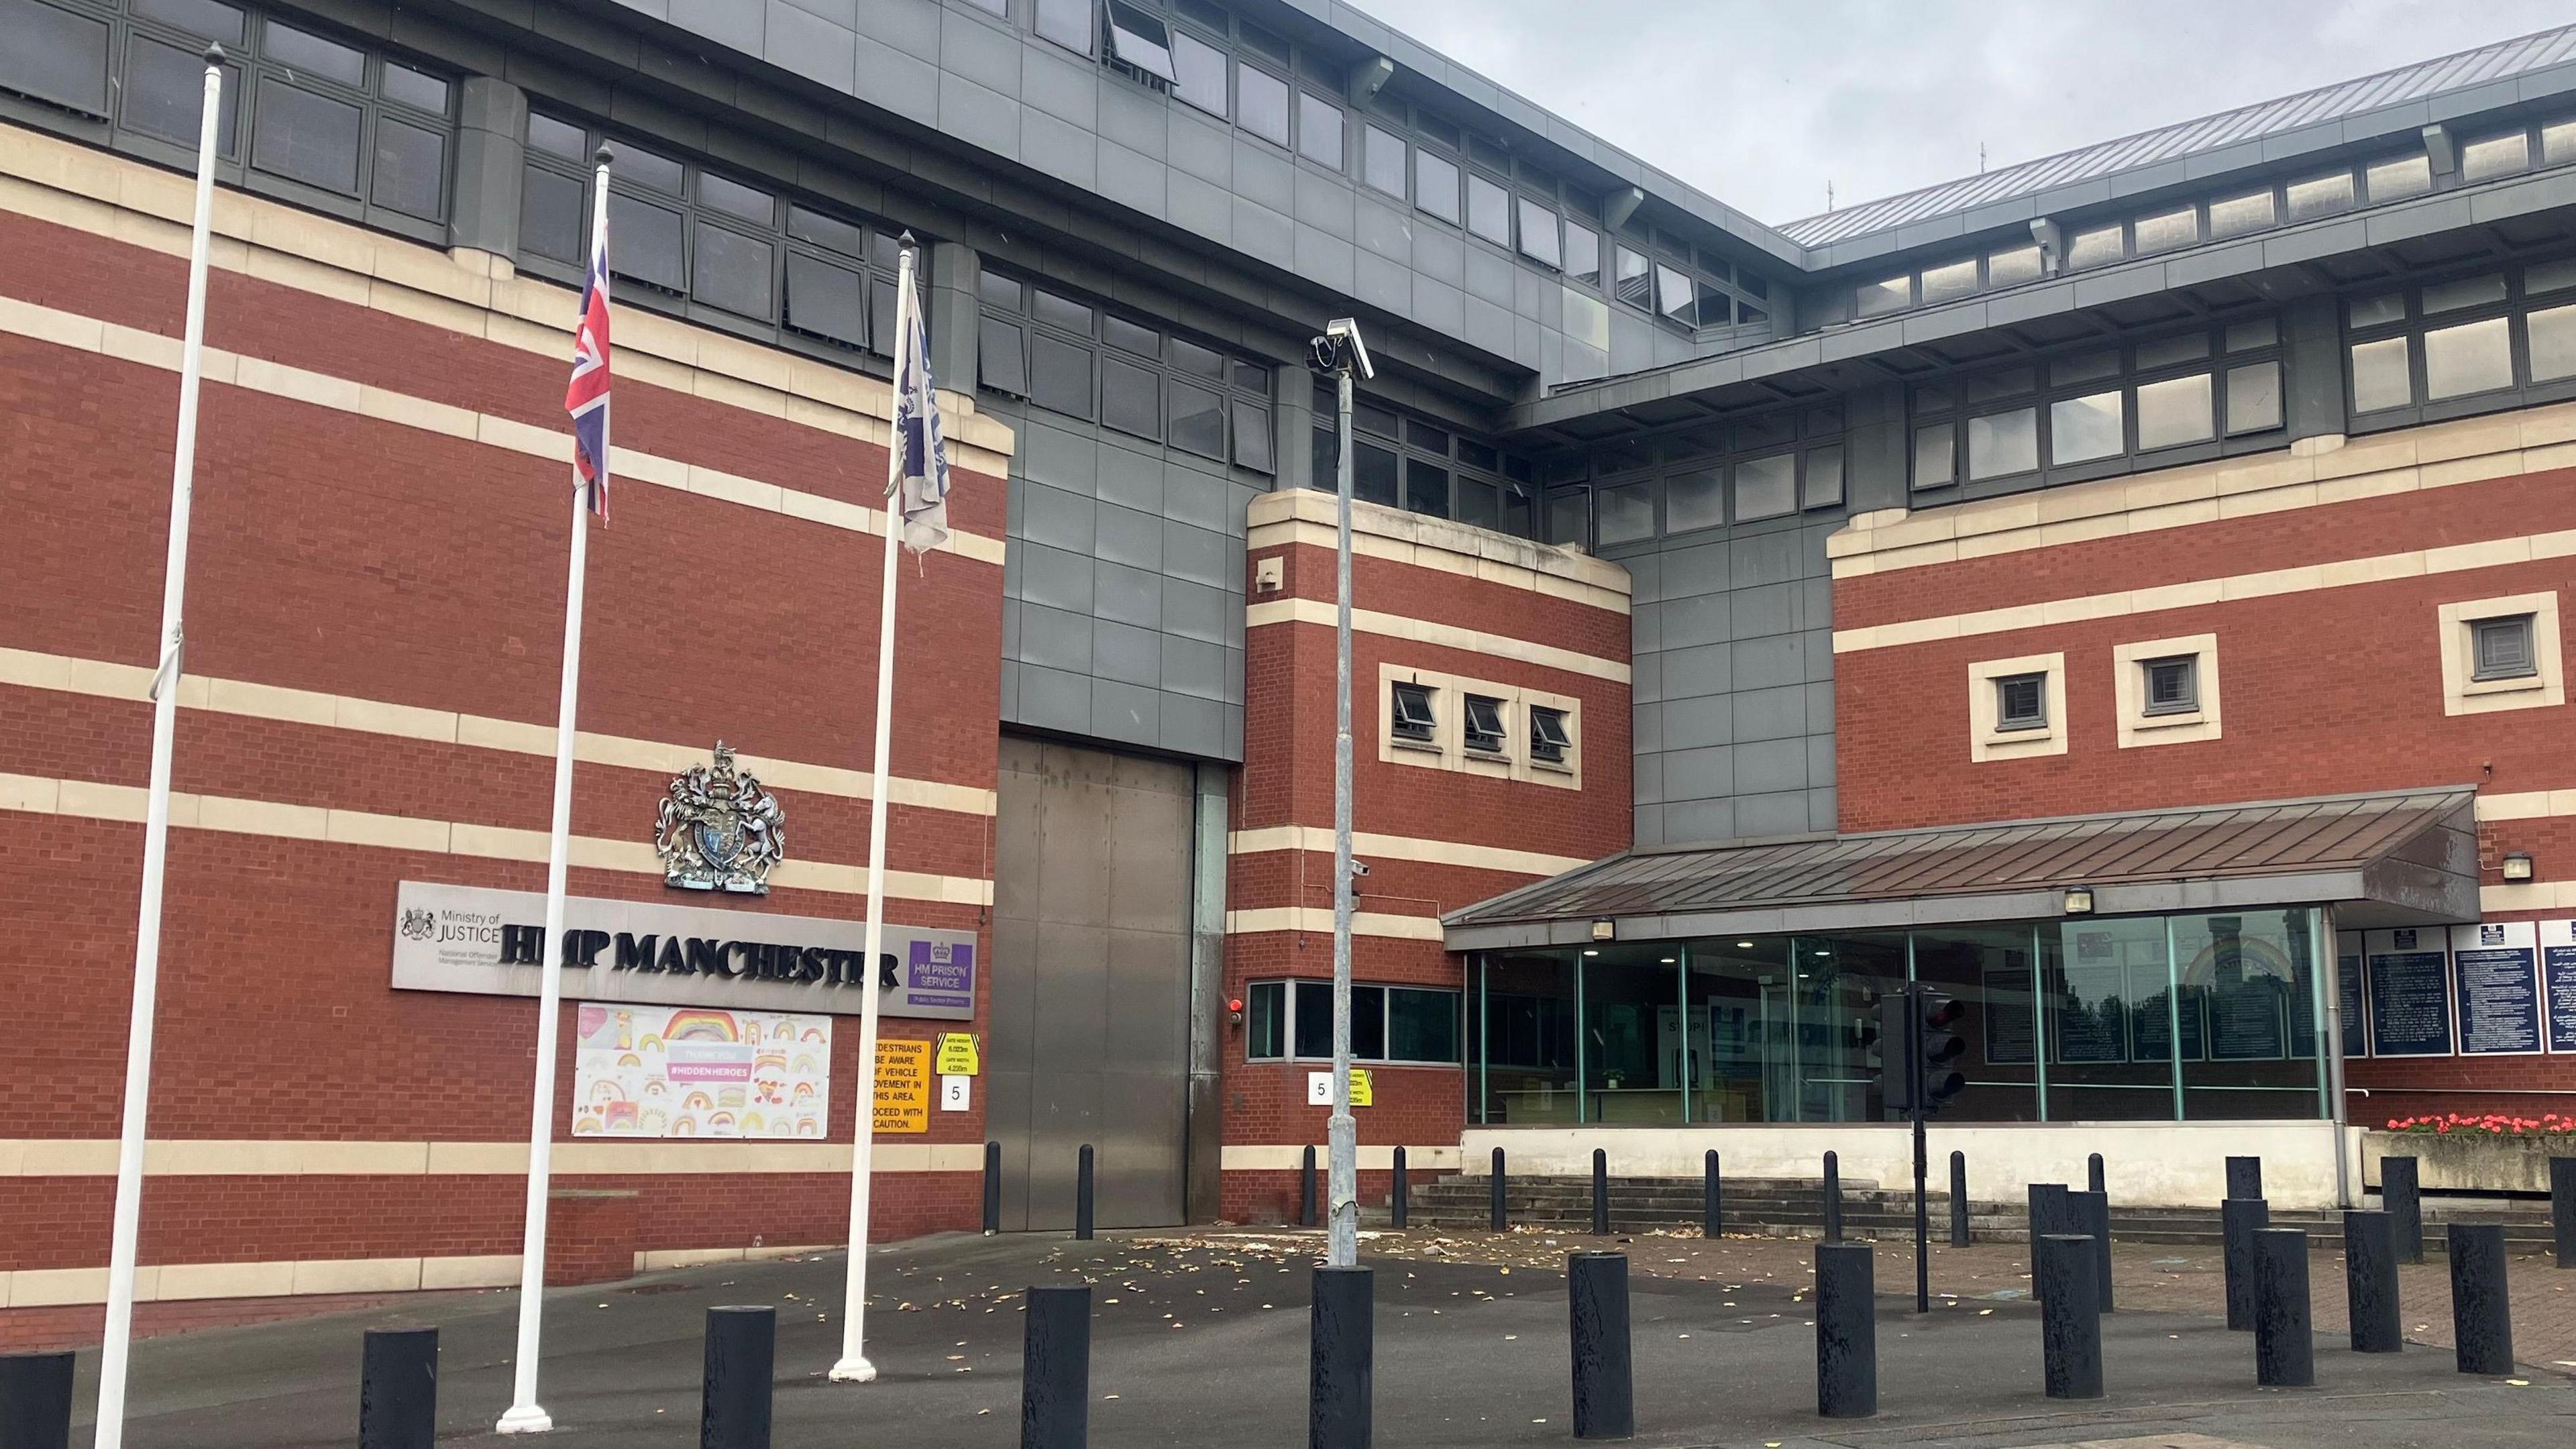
1347 330
1359 867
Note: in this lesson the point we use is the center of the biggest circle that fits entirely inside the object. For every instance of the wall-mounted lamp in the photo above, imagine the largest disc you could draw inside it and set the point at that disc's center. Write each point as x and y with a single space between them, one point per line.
2079 900
2517 865
1605 930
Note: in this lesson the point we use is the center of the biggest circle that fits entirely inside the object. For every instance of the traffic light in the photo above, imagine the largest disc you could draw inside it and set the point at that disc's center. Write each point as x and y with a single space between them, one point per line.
1941 1047
1887 1053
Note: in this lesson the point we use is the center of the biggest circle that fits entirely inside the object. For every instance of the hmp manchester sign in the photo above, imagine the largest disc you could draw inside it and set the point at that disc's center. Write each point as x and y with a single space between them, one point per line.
489 942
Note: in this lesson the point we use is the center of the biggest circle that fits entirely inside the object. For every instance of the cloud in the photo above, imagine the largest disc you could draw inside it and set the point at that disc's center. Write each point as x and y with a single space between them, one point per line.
1762 104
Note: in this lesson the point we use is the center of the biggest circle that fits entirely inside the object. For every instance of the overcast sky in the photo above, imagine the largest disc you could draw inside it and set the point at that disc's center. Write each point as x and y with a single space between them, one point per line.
1761 102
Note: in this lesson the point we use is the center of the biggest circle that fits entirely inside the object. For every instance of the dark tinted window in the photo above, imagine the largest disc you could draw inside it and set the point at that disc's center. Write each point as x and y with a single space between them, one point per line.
1060 376
1198 420
827 301
209 18
411 168
550 215
165 94
1201 71
732 271
54 55
1000 362
1131 398
645 243
306 137
1261 103
313 55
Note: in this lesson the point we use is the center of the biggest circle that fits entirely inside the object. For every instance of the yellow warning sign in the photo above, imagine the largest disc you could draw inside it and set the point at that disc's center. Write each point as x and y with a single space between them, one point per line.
1360 1087
957 1054
903 1087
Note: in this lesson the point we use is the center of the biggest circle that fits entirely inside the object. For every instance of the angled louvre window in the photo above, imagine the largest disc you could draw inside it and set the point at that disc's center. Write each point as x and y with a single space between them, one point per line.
1142 41
2021 702
2503 648
1550 740
1484 724
2173 684
1539 234
1411 718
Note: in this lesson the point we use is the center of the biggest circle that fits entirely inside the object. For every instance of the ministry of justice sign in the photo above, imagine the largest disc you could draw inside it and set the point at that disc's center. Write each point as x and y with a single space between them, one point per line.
489 942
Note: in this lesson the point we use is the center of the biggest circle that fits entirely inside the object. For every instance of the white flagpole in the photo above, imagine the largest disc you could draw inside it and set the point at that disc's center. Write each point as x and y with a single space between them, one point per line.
525 1416
854 1366
125 1236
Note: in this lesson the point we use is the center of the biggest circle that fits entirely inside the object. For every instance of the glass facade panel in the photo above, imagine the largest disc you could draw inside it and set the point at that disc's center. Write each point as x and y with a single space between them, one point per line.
1780 1028
1525 1011
2250 980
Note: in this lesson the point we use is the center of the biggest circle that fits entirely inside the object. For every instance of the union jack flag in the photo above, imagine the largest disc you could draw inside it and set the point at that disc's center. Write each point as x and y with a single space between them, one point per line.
587 396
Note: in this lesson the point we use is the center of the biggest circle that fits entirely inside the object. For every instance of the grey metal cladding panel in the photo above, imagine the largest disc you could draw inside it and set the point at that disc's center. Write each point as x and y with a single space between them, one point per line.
1057 578
726 22
1705 669
1199 499
1770 558
1382 230
1645 727
1198 611
1054 457
1134 180
1128 595
1130 478
1192 726
1126 653
2438 213
1698 619
2488 97
1488 326
1646 779
1194 554
1821 809
1439 306
1699 774
1198 148
1770 765
1439 253
1763 663
1763 609
1691 820
1490 276
907 25
1265 176
1777 713
1384 284
1697 723
1129 537
1128 713
1264 234
1781 813
811 46
1193 667
979 116
1057 518
988 55
1061 85
1135 118
1069 153
1053 699
1057 639
1202 208
1325 259
1324 202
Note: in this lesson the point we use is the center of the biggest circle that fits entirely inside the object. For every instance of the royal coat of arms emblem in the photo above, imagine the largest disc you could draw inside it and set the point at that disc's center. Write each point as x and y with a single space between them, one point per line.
719 830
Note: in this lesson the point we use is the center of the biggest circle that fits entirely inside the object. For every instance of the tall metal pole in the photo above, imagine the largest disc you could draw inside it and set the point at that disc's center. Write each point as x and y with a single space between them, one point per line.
1342 1133
853 1366
125 1235
525 1415
1922 1165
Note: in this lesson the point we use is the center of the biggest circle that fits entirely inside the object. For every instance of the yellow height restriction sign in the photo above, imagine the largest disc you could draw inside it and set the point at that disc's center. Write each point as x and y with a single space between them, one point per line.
957 1055
903 1087
1360 1087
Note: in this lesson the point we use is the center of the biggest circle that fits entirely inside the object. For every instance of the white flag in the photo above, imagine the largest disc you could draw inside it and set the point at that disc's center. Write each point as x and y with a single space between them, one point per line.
921 470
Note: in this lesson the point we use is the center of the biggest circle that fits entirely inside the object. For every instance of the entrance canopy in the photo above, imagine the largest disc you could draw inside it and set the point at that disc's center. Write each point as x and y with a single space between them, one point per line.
2407 858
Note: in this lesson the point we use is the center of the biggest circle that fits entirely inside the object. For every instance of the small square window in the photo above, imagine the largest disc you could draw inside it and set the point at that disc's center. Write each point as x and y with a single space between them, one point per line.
2502 648
1413 719
2172 684
1550 741
2021 702
1485 733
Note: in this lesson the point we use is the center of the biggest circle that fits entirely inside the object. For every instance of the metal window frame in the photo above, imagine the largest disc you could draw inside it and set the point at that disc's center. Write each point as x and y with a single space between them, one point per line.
2006 721
1230 389
2516 306
2189 700
1288 1021
2523 627
1401 723
1550 740
1494 741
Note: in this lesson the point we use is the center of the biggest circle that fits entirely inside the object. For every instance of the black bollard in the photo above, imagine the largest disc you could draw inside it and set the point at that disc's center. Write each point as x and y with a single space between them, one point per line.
1833 1198
2089 1213
1341 1373
1958 1199
1846 1333
742 1346
2481 1314
397 1389
2405 1203
1712 1197
2093 1180
1596 1299
2245 1177
2070 1323
1600 1192
2562 1207
1055 1368
992 1188
1399 1193
2285 1349
1306 1190
2049 1213
2239 1219
1082 1194
36 1400
1496 1183
2370 1282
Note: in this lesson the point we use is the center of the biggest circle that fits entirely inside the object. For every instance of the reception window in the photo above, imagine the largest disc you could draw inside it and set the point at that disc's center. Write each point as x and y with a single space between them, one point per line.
2150 1018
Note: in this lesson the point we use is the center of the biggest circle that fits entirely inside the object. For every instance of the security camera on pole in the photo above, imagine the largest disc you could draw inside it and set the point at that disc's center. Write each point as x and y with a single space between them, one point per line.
1339 354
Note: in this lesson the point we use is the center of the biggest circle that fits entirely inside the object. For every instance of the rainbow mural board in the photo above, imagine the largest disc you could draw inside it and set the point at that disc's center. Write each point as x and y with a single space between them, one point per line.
700 1071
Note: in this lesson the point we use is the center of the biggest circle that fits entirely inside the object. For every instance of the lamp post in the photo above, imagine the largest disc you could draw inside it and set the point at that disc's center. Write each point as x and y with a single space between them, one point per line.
1339 354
